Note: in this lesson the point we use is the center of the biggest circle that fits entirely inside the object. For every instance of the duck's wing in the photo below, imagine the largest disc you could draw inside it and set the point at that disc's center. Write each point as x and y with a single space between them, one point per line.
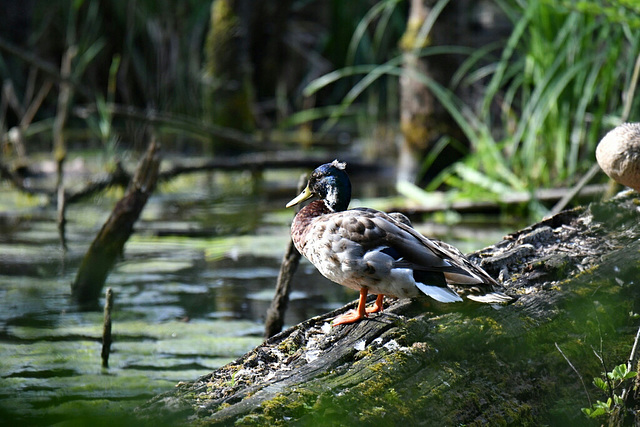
413 250
374 230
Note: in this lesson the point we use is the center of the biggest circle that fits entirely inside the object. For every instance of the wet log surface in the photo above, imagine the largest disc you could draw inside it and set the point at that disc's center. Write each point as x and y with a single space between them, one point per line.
420 362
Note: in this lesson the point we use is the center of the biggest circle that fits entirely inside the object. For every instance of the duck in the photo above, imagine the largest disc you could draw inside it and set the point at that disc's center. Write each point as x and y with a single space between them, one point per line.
373 252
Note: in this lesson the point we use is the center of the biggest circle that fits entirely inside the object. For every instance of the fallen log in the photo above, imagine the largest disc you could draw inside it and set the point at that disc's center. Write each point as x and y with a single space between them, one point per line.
436 201
255 162
420 362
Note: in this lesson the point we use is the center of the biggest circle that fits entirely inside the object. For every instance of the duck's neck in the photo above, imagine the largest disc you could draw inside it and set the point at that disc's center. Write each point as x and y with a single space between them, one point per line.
304 218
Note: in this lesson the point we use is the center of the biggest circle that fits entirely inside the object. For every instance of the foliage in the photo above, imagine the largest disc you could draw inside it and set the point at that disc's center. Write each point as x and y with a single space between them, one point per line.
150 55
144 55
565 76
370 50
559 77
554 90
609 383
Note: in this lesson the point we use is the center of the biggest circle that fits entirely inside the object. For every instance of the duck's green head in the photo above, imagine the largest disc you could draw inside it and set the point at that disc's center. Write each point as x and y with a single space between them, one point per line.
330 183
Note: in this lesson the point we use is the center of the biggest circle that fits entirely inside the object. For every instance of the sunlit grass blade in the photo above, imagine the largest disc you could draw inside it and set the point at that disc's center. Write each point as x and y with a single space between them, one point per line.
382 9
507 53
475 177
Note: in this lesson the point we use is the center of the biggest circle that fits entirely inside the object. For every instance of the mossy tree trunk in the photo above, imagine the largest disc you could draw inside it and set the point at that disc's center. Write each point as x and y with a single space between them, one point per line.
423 119
229 94
421 362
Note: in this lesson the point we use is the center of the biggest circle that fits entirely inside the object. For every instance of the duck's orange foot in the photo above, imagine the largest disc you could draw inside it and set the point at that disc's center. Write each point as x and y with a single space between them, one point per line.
361 312
349 317
377 306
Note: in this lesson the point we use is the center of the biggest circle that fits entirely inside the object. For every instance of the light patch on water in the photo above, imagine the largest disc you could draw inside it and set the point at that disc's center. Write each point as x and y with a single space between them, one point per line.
242 273
157 266
268 294
178 288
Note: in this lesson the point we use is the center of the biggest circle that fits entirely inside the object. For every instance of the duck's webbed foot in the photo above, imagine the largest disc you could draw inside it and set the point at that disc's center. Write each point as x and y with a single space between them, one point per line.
362 311
377 305
350 317
354 315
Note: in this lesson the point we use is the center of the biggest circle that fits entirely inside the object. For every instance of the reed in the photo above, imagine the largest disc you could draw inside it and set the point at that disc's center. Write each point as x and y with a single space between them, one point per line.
558 84
563 77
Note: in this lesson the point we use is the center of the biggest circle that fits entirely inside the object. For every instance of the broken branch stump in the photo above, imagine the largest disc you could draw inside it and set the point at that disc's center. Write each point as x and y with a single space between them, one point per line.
278 307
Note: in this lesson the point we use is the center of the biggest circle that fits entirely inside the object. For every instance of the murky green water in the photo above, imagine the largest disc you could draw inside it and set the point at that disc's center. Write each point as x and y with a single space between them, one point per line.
190 295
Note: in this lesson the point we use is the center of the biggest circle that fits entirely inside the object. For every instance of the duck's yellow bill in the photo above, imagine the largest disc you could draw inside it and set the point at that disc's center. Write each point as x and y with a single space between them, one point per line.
306 194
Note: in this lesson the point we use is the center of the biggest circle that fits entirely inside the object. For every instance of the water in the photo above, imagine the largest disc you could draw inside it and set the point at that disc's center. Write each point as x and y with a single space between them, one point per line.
190 294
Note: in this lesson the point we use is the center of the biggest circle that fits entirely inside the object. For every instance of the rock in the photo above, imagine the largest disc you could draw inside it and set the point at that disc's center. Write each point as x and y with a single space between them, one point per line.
618 154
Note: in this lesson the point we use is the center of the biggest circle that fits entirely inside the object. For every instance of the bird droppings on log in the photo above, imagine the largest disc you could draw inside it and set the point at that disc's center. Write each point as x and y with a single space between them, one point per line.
450 364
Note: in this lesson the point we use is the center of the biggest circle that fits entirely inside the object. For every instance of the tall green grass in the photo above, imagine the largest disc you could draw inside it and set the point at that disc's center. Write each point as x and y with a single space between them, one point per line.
559 83
562 79
364 87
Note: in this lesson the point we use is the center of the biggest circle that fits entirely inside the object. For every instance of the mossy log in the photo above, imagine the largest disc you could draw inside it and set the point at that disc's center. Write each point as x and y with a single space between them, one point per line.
109 243
424 363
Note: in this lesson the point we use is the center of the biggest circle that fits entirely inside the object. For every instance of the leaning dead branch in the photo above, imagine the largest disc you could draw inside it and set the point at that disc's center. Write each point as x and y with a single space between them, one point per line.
109 243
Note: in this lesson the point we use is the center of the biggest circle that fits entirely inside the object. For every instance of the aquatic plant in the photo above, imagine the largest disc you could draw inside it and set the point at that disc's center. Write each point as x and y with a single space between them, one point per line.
542 114
611 383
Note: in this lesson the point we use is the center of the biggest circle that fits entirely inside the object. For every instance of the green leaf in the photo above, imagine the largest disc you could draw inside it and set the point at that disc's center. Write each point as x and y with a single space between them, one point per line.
597 412
598 409
619 372
600 383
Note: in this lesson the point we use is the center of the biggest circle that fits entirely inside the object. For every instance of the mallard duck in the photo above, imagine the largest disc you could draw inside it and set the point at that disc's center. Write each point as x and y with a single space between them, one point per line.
374 252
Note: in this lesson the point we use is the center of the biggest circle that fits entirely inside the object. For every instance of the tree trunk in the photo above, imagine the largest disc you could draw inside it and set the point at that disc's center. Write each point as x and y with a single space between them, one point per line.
421 362
229 97
417 104
423 118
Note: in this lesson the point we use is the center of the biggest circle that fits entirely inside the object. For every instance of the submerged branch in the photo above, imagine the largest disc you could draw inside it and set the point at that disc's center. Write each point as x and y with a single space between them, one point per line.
106 328
59 144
